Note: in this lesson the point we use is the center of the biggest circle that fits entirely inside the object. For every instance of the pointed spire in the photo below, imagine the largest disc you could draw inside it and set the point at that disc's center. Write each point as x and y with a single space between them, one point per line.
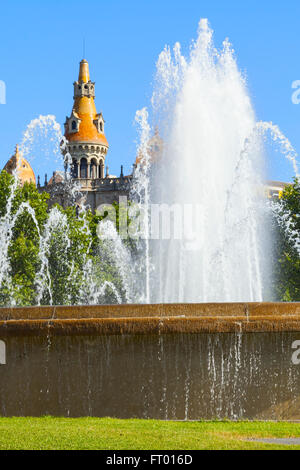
17 153
18 157
84 73
85 124
21 165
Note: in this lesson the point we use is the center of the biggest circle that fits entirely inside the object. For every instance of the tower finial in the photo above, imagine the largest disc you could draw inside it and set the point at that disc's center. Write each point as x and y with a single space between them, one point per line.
18 155
84 73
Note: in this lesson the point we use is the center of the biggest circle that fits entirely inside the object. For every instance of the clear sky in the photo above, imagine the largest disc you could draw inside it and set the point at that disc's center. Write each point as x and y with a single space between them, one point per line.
41 46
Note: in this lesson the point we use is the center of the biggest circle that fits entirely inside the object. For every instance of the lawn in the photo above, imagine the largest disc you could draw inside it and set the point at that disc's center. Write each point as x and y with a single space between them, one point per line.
114 434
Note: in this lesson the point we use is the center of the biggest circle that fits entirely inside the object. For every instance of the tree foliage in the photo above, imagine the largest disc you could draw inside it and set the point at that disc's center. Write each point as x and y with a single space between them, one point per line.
54 256
57 256
287 246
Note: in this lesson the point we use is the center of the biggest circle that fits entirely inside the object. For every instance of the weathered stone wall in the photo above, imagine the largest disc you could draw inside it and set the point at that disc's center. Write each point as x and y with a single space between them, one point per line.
94 192
152 361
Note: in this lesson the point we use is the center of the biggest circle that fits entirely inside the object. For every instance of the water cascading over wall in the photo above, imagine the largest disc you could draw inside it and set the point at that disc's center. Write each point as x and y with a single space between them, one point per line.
196 361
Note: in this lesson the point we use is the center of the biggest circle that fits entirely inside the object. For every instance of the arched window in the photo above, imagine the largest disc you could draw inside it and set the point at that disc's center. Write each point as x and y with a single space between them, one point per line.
74 125
74 170
101 169
101 126
93 169
83 168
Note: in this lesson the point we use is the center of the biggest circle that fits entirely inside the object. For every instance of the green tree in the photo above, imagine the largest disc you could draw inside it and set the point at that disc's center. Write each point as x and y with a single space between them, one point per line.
24 245
53 256
287 266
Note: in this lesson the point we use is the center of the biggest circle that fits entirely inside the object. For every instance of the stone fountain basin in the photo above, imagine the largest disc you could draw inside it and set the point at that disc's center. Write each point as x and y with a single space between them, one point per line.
151 319
178 361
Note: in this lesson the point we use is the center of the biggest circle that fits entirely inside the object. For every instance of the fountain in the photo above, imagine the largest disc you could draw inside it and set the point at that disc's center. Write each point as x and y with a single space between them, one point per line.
190 335
208 172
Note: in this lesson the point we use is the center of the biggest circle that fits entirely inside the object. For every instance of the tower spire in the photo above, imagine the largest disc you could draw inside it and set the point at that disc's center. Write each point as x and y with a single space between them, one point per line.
84 129
17 151
22 166
84 73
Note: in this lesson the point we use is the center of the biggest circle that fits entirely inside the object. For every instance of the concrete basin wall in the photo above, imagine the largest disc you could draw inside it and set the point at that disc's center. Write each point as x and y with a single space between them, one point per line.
194 361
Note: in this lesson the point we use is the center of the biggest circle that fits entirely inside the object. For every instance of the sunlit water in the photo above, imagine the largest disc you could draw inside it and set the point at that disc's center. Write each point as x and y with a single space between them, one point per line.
211 167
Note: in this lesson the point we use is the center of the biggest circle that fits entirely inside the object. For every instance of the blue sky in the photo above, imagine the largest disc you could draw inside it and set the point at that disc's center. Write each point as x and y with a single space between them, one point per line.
41 46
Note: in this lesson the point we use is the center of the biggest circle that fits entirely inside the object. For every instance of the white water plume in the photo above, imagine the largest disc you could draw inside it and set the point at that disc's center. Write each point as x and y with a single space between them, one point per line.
213 155
7 224
41 143
140 194
56 225
119 256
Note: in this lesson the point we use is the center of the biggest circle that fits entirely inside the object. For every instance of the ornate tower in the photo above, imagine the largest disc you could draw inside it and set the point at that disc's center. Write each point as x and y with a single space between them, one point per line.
84 130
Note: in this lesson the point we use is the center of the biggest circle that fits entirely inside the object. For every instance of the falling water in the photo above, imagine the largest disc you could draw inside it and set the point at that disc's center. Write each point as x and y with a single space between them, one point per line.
7 224
89 285
41 143
86 286
140 193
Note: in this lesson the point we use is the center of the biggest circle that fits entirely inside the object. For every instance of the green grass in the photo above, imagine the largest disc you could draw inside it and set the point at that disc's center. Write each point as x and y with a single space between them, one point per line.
114 434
